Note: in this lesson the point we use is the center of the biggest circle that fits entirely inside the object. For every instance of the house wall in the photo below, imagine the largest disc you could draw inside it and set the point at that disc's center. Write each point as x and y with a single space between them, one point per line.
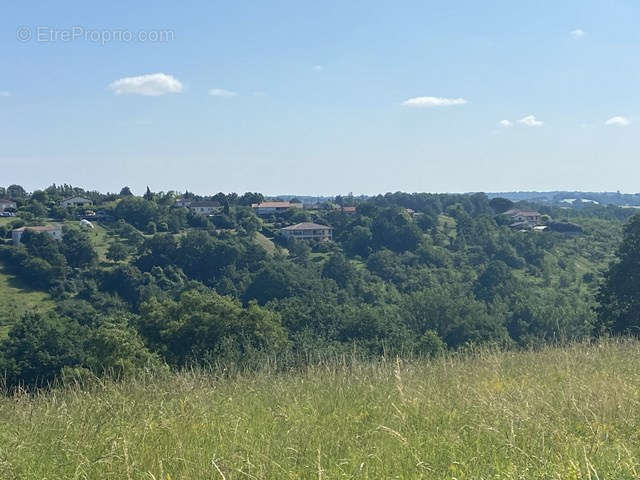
312 234
16 235
5 206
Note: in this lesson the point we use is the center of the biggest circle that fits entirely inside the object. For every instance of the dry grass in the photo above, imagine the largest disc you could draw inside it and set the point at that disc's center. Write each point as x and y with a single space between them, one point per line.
570 413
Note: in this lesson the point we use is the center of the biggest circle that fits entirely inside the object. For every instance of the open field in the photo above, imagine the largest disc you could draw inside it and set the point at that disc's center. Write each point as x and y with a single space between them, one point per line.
569 413
16 298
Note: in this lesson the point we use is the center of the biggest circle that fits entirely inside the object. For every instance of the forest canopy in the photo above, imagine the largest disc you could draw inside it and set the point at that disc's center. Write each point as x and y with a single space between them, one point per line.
153 283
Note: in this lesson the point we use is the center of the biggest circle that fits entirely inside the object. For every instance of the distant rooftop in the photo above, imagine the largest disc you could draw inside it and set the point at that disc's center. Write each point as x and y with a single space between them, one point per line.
39 228
307 226
274 204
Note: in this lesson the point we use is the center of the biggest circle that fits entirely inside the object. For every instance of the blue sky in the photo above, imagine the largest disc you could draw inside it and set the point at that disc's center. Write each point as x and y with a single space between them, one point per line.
321 97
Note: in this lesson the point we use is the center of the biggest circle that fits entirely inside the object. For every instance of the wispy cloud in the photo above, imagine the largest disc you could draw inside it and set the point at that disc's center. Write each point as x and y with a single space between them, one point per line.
4 93
433 102
221 92
618 122
152 85
577 33
531 121
317 68
505 123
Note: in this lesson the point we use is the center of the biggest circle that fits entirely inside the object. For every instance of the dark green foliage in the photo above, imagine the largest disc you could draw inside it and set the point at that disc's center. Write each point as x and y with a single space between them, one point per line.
137 211
199 289
339 269
203 325
117 252
40 348
619 296
77 248
500 205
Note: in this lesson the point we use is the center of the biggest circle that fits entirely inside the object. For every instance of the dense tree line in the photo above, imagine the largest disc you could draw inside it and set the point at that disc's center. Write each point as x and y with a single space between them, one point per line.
406 273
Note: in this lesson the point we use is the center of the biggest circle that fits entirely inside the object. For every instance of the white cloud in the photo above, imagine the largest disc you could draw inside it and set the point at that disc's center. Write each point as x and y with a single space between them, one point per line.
221 92
4 93
433 102
505 123
152 85
577 33
317 68
531 121
618 122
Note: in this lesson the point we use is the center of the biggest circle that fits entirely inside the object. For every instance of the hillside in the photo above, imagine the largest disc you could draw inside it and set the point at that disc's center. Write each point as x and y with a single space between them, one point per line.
555 413
16 298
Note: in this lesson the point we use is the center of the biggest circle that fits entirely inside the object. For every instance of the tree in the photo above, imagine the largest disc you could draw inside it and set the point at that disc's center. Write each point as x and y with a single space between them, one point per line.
619 296
126 192
16 192
203 324
137 211
250 198
359 241
117 252
77 248
339 269
38 347
148 195
496 280
40 195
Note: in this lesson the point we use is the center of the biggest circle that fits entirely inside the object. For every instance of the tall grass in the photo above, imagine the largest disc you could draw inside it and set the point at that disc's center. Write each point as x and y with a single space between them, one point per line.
556 413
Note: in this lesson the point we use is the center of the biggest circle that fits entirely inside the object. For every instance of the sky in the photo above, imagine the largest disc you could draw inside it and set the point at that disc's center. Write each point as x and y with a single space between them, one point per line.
321 97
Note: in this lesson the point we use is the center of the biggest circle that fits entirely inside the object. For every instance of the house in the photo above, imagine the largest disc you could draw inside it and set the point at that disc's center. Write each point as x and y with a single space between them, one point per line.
270 208
531 217
7 205
54 230
77 202
348 210
182 202
520 226
205 207
308 231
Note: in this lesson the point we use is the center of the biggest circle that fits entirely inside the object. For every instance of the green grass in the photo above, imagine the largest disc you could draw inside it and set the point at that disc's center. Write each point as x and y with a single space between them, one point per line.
16 298
571 413
265 243
447 225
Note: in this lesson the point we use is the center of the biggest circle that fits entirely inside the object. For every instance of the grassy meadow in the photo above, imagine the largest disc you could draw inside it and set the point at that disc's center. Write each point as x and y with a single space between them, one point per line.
556 413
16 299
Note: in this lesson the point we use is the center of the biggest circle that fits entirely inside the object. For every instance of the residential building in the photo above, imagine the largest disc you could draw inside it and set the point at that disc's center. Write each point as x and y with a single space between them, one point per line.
270 208
77 202
531 217
7 204
54 230
308 231
182 202
205 207
348 210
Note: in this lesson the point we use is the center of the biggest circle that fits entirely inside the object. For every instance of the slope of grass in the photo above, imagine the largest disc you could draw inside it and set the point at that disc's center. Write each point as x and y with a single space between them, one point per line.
569 413
16 298
265 243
